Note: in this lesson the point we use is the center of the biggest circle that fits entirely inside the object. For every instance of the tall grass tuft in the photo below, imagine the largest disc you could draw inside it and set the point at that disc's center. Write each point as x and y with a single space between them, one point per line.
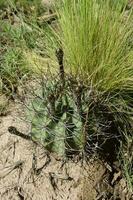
96 42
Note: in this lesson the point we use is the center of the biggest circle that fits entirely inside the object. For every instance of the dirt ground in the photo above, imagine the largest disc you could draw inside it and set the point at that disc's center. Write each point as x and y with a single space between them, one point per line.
28 172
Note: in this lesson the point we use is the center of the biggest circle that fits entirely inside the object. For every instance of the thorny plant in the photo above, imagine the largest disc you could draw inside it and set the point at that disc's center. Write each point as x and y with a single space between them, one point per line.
96 37
70 117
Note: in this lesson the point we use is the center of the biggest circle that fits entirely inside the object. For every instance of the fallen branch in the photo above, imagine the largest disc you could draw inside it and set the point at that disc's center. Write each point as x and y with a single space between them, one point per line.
47 18
14 131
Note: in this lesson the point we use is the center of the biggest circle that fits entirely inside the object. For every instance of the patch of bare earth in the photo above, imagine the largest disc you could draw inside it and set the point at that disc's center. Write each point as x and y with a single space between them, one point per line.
28 172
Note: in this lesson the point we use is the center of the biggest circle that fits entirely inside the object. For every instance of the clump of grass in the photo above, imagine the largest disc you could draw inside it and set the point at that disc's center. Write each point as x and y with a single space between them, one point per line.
12 70
13 66
16 37
96 43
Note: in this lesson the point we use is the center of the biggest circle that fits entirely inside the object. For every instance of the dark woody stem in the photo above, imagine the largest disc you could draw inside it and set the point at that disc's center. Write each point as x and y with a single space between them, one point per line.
14 131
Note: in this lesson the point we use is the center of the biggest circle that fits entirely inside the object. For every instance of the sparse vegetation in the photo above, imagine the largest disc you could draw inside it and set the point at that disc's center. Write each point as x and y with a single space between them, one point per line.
19 43
82 61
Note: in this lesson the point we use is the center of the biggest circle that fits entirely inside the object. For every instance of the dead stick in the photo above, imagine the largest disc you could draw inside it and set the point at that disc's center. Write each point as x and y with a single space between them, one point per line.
14 131
47 17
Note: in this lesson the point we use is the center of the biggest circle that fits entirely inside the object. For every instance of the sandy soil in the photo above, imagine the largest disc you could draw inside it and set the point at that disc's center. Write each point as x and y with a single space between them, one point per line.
28 172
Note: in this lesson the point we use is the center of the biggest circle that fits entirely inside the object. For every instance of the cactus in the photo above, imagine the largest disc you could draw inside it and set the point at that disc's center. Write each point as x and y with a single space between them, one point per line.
55 120
69 117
